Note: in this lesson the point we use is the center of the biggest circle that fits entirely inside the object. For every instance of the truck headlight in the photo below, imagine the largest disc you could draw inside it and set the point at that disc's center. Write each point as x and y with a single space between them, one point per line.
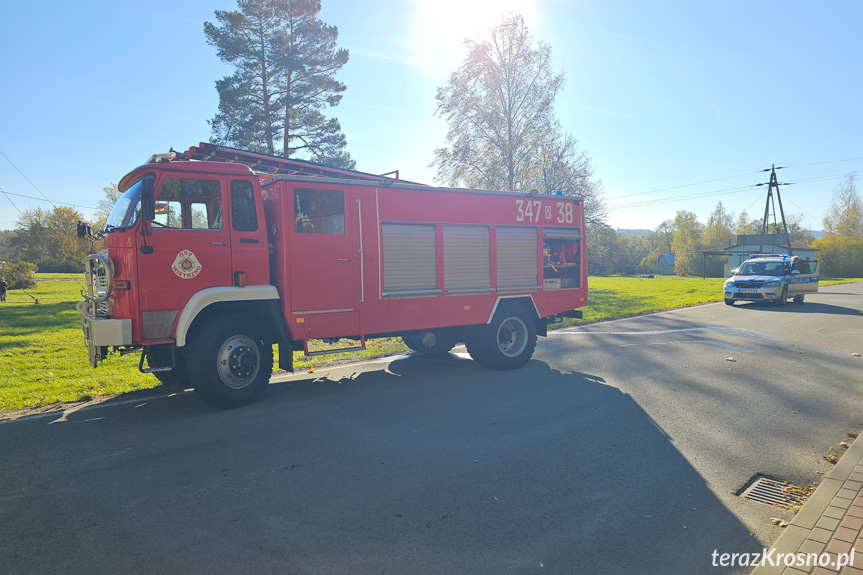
773 284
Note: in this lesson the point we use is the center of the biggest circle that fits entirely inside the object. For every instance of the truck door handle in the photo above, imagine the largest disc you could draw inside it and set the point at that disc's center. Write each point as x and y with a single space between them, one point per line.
344 259
218 243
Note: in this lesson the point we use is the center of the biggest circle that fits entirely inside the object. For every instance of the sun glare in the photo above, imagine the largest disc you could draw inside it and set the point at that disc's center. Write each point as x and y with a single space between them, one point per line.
439 28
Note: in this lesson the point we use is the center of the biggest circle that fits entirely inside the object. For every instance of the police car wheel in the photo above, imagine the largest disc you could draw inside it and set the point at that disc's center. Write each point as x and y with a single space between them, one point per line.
729 301
229 364
783 297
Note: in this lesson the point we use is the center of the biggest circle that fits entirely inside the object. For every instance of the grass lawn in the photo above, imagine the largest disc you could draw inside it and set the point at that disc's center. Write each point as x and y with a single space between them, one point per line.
43 360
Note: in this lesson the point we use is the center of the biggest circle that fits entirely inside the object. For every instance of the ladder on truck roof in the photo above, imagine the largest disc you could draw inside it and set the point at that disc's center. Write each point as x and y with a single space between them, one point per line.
276 165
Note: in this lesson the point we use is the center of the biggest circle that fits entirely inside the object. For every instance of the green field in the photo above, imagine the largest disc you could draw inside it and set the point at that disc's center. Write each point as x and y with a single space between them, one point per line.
43 360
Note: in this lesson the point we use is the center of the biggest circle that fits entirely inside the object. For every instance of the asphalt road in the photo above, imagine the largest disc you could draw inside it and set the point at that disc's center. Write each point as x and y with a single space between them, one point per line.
617 449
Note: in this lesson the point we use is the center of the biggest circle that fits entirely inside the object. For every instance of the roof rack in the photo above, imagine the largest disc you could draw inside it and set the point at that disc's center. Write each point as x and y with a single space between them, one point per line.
275 165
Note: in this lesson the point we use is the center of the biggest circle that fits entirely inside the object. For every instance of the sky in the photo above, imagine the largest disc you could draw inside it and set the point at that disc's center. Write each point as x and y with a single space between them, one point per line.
679 104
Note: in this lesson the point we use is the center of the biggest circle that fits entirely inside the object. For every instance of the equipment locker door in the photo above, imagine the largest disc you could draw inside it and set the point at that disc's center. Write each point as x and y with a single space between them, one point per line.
323 257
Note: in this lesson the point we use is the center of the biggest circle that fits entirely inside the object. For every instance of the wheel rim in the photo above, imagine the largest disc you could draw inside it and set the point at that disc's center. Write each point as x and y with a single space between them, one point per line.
238 361
512 337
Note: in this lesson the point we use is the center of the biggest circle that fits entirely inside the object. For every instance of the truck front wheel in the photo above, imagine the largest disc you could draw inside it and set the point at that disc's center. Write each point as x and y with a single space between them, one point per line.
506 343
228 363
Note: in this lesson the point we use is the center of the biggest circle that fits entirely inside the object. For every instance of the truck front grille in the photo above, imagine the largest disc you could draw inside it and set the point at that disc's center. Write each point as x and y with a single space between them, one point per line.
100 281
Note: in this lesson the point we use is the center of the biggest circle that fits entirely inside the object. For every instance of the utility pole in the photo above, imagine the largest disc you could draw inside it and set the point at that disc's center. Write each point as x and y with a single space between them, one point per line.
774 183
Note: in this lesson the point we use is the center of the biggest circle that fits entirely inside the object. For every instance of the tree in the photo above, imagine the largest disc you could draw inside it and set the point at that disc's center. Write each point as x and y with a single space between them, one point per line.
19 275
105 205
719 231
563 166
49 239
687 243
601 242
7 252
841 257
502 133
746 226
665 231
285 61
844 217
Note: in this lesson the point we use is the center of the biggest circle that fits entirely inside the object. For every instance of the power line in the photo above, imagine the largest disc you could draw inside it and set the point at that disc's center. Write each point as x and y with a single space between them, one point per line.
10 201
687 197
683 186
49 201
737 176
829 162
25 177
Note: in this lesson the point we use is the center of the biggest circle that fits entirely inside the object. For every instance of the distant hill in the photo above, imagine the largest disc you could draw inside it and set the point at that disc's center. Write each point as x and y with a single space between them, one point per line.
816 235
634 232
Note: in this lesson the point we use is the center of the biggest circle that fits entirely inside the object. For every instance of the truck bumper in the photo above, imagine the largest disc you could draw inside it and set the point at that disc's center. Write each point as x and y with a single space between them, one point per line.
103 332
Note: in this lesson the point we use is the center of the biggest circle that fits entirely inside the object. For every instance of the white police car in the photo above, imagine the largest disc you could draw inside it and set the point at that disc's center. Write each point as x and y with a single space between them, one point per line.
773 278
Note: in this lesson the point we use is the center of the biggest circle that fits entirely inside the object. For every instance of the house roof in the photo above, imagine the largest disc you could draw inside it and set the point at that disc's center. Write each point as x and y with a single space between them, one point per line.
794 246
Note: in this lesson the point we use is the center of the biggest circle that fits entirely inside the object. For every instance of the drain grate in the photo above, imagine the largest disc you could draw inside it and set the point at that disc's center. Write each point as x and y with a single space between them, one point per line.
776 493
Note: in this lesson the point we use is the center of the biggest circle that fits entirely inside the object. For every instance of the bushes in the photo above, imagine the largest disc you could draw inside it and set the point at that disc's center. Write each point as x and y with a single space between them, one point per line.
19 275
841 257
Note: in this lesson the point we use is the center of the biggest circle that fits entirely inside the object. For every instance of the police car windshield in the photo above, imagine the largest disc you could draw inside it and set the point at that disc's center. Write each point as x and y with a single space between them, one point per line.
761 269
126 210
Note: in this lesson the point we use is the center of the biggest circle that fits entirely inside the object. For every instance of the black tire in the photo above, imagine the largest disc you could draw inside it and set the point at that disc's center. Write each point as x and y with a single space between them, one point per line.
161 355
444 342
229 364
507 343
798 299
783 297
729 301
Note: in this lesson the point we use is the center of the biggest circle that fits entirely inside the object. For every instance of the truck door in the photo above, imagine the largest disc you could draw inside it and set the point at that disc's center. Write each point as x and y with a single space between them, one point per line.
248 231
323 257
190 249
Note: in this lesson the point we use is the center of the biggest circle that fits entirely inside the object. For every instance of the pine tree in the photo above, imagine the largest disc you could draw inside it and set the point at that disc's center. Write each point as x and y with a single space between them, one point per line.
285 61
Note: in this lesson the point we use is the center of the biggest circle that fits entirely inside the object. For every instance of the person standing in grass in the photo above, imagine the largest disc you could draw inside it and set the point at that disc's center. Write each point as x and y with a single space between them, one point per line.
3 287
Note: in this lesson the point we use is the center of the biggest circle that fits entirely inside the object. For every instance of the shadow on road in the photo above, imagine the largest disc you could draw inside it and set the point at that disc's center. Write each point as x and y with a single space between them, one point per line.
807 307
420 467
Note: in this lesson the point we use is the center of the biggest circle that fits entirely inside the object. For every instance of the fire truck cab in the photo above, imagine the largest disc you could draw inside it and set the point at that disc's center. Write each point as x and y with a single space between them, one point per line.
211 257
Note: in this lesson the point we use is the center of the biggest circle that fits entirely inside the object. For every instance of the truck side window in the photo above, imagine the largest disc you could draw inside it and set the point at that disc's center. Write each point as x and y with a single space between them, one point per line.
243 214
190 204
319 211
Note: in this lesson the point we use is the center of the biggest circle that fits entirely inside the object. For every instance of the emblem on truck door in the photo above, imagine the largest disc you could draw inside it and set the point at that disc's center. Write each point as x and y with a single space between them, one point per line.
186 265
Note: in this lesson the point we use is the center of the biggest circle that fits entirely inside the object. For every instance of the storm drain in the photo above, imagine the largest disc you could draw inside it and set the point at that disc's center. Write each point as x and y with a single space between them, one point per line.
776 493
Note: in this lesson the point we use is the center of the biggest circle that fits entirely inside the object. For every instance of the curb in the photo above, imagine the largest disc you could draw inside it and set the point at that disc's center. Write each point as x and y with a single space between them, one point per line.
817 521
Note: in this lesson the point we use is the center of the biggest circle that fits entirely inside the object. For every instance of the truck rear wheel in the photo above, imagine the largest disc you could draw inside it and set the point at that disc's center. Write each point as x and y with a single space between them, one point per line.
229 364
507 343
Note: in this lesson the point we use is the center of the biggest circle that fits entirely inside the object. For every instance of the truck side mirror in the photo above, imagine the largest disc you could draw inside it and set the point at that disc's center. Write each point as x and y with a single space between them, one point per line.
148 200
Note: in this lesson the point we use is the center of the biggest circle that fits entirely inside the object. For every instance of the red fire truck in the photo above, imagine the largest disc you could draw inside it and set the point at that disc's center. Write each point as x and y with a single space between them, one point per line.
212 256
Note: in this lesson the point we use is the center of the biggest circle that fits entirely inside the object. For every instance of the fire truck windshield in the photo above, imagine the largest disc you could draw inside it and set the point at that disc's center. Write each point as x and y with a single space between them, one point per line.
126 210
